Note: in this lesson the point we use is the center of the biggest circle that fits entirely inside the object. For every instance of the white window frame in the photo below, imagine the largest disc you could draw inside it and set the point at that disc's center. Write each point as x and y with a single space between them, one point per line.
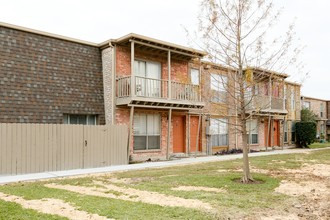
285 132
306 105
219 131
89 119
253 132
321 110
194 76
147 83
218 84
146 131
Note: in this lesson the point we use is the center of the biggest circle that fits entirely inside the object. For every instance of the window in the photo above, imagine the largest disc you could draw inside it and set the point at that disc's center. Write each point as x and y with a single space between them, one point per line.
321 110
292 100
285 132
252 131
147 78
218 87
80 119
219 131
306 105
194 75
146 131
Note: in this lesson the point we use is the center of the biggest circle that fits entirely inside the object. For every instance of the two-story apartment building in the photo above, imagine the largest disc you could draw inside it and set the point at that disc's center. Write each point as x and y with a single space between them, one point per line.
153 87
273 107
293 106
319 108
173 103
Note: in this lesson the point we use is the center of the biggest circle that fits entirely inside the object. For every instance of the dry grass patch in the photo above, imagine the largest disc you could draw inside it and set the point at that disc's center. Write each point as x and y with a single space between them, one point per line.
135 195
51 206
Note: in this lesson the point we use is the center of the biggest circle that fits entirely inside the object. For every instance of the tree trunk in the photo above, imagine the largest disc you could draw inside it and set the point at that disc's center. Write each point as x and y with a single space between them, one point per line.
246 166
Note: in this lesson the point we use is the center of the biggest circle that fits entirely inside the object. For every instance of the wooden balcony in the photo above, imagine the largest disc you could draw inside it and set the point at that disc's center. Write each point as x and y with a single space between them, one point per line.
266 104
157 93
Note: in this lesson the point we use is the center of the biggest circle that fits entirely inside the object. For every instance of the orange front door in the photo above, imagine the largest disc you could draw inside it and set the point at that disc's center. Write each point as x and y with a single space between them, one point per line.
276 133
179 136
193 133
273 137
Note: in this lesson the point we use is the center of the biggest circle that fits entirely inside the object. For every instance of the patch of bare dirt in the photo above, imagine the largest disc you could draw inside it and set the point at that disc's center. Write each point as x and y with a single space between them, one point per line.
312 196
134 195
281 217
307 170
321 170
128 180
52 206
297 189
199 188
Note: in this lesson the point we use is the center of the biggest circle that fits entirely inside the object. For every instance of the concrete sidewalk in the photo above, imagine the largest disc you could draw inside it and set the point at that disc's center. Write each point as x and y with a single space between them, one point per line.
138 166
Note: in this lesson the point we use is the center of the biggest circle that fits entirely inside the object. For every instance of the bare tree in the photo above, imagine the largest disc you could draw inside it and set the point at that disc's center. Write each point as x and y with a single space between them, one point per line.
235 33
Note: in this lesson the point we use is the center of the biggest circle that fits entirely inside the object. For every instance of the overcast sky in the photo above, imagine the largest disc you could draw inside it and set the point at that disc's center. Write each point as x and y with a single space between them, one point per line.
100 20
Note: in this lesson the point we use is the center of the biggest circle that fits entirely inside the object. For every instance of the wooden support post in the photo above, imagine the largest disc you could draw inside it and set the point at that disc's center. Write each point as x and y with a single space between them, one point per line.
133 90
130 132
188 148
272 133
282 142
168 132
169 86
270 90
268 131
200 82
197 137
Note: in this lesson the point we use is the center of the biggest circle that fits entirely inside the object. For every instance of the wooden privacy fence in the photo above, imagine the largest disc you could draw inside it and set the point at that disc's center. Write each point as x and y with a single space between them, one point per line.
33 148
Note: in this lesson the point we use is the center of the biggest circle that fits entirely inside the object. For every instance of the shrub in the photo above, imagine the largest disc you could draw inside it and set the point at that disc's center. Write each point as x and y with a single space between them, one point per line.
305 133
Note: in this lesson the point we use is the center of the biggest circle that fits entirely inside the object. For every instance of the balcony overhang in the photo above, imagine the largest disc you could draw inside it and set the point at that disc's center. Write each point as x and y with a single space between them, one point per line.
148 102
151 45
268 112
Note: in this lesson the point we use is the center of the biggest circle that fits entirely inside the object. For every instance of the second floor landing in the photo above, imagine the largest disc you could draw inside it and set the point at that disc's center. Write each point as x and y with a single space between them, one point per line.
156 74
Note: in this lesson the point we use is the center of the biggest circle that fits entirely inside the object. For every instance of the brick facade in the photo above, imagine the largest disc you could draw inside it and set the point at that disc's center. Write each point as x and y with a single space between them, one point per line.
42 78
107 55
319 107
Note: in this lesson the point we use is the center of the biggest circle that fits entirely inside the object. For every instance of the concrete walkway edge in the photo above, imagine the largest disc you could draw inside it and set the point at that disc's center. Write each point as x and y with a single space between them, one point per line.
139 166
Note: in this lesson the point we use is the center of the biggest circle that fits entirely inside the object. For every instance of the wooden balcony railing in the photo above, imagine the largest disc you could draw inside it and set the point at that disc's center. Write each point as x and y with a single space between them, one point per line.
129 86
263 102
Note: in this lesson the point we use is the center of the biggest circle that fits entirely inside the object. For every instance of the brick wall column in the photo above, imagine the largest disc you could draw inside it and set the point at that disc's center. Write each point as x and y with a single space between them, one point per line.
107 84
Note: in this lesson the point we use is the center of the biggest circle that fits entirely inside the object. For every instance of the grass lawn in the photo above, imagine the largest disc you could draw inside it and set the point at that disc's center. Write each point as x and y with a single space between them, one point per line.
319 145
235 200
